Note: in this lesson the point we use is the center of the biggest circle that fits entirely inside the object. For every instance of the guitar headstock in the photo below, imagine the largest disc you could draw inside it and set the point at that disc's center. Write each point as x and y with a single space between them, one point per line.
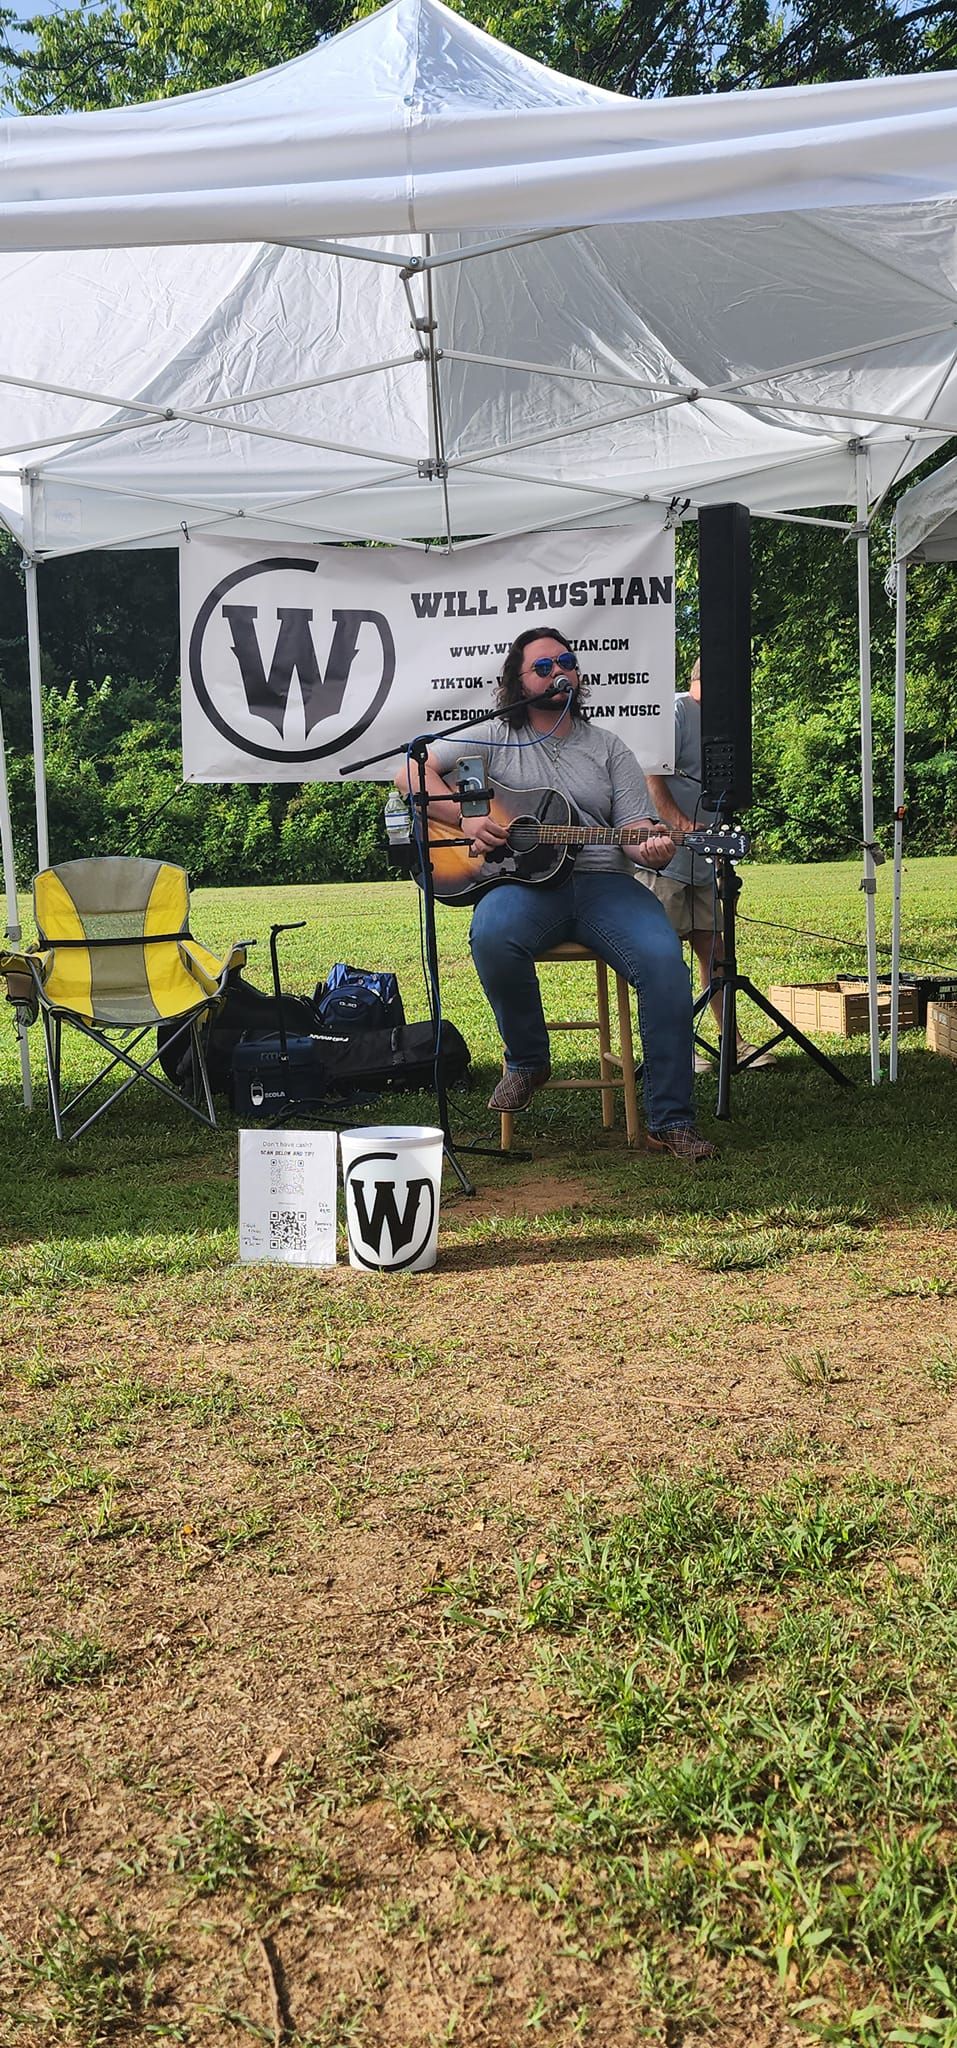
717 840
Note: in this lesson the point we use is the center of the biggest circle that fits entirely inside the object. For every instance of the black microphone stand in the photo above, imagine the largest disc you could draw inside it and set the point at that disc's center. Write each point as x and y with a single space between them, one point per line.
727 983
418 751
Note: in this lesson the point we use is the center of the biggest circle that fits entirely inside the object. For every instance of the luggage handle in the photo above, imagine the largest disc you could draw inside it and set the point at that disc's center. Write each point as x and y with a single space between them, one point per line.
274 957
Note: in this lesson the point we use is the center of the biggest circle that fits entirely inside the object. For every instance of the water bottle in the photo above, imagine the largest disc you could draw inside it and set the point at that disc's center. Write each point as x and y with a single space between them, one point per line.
398 824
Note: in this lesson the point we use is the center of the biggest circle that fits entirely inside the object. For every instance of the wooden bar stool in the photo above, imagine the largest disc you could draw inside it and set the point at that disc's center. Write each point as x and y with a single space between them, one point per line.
616 1069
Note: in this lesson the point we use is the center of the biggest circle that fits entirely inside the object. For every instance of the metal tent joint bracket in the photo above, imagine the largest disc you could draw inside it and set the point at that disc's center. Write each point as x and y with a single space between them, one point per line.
859 531
676 512
423 325
869 885
875 850
432 472
409 269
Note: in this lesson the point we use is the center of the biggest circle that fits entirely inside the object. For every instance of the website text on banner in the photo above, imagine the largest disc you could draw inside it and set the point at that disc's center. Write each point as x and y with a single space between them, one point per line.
294 664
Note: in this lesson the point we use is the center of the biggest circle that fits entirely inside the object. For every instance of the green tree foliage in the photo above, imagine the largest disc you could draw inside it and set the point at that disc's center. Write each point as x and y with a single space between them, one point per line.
113 55
114 785
86 58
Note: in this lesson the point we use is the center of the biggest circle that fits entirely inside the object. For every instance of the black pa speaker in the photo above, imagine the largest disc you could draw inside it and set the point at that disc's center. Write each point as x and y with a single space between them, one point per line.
724 611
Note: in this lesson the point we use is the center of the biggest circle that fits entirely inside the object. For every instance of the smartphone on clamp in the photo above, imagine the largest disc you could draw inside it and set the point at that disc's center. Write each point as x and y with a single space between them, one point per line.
473 795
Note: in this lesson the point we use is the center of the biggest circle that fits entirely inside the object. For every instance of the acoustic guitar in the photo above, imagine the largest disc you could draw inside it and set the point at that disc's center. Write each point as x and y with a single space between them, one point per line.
543 833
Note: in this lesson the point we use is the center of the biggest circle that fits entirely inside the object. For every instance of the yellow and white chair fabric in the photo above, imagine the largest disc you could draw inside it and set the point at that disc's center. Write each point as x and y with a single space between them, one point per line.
115 958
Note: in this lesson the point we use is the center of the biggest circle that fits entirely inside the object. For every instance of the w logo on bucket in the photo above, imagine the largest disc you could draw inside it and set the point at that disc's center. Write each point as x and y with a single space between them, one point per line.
391 1208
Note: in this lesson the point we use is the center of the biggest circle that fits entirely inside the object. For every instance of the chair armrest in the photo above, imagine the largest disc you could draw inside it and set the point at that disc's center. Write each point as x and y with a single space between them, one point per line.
24 974
207 970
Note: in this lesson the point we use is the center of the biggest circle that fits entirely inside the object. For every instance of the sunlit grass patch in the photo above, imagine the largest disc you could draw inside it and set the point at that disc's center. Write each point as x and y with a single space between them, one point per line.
67 1659
86 1984
759 1735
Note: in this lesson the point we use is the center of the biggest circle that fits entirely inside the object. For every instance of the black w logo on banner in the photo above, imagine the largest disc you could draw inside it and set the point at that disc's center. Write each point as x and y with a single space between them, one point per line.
294 655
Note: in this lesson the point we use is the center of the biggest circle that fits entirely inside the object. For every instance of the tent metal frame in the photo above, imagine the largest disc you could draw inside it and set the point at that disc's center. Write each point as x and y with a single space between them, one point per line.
439 467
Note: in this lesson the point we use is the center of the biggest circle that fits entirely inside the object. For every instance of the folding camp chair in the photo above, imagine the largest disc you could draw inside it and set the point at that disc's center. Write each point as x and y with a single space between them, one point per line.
115 958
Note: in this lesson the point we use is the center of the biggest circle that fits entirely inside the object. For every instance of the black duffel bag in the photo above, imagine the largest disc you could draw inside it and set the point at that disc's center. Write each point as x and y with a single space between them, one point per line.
328 1067
371 1061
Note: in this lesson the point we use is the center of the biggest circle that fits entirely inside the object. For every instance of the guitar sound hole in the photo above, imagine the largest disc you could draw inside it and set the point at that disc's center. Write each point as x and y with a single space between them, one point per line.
524 835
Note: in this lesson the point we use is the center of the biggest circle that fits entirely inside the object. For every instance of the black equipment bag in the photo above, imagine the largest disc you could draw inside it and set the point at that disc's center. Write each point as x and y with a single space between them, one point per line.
329 1066
245 1010
266 1079
369 1061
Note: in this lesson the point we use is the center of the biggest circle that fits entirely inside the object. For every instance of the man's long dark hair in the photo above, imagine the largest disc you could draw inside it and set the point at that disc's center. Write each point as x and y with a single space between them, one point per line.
510 692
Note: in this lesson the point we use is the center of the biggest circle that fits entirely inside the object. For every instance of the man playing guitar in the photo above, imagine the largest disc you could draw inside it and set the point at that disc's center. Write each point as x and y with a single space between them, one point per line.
543 736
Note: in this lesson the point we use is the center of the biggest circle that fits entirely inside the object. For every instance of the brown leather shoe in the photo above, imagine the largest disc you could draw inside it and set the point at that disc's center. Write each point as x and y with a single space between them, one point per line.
683 1142
517 1086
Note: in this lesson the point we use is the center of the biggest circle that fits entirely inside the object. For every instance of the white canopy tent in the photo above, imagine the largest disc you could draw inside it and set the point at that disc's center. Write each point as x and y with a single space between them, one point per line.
925 530
414 285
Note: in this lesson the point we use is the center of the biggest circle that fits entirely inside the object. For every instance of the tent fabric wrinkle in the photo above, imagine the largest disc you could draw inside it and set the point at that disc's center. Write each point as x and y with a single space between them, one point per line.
414 118
925 519
749 352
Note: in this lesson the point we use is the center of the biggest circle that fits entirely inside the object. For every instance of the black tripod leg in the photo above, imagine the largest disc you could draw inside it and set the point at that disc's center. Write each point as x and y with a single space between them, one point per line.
729 984
727 1047
789 1030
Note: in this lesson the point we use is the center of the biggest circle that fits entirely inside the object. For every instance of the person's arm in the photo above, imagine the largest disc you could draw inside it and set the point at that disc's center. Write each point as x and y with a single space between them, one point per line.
665 805
654 852
630 804
482 833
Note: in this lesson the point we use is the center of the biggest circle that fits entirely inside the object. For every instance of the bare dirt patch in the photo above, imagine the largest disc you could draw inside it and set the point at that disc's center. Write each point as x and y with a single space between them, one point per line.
260 1503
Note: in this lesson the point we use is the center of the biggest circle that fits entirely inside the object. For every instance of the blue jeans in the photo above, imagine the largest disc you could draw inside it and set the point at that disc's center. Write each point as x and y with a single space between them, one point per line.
626 925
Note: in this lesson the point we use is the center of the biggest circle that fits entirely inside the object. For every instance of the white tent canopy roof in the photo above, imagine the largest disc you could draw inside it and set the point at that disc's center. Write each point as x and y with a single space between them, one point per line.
414 120
925 519
413 286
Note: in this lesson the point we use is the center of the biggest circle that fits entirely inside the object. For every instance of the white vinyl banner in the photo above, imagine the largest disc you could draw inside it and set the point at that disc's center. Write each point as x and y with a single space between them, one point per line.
301 665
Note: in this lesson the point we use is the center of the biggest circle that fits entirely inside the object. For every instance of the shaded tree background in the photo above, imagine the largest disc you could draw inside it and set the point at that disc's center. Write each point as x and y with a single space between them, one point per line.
109 623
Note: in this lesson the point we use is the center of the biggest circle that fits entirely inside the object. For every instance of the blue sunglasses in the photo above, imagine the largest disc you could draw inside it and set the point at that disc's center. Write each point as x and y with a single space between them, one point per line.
568 661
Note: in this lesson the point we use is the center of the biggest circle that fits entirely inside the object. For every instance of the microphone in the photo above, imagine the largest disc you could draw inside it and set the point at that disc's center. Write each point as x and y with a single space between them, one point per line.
551 691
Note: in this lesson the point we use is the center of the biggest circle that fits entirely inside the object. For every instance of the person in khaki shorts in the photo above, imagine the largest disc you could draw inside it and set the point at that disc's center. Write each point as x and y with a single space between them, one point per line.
686 886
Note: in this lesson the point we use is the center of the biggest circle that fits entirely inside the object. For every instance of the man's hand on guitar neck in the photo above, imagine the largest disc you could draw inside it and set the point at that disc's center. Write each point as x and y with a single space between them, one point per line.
655 851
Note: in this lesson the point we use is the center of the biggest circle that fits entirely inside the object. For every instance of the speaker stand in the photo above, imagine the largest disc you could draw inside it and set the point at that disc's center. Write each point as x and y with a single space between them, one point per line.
727 983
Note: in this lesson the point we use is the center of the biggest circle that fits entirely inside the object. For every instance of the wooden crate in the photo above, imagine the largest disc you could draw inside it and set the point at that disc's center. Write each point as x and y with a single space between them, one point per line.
840 1007
942 1029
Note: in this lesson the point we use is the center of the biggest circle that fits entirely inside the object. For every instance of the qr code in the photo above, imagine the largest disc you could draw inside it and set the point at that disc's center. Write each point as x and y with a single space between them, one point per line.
288 1177
287 1230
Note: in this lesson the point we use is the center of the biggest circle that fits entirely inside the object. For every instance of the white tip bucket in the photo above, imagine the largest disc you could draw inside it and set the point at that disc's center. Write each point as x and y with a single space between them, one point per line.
392 1176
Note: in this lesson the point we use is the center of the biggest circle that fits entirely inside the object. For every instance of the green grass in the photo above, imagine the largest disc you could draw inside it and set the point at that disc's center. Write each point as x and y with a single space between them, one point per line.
93 1985
145 1193
702 1728
762 1759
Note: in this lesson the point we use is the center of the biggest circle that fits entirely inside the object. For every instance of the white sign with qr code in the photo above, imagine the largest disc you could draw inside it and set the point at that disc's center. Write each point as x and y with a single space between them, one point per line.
287 1197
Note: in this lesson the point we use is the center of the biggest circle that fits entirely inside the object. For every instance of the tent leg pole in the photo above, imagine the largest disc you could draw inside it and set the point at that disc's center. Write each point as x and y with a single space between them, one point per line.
900 703
36 711
13 911
869 879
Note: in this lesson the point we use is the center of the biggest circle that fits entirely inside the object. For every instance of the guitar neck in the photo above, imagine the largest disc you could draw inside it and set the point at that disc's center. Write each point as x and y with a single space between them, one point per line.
598 835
